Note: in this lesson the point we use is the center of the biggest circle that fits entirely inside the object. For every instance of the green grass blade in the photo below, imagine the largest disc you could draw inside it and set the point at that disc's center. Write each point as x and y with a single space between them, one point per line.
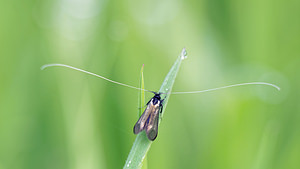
141 144
141 97
141 104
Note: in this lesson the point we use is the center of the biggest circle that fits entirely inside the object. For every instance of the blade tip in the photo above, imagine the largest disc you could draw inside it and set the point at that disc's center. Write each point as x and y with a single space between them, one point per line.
183 54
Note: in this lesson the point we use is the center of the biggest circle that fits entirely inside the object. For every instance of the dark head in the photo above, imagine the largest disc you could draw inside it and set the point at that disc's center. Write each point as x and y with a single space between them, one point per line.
156 98
157 95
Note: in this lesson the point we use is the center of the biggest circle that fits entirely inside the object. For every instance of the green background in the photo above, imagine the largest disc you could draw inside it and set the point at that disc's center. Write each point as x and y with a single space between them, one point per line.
63 119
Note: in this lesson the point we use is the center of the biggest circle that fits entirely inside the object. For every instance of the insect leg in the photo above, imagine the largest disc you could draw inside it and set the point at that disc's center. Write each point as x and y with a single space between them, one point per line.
161 108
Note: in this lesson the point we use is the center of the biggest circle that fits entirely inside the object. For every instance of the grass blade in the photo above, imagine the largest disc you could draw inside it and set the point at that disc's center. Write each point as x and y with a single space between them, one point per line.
141 144
141 97
141 104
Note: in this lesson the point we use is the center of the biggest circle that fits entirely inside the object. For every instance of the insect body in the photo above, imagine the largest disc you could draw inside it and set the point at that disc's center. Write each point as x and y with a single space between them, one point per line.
149 119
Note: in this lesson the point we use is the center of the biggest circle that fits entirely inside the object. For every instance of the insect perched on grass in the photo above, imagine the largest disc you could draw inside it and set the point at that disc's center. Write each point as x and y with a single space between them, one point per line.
149 120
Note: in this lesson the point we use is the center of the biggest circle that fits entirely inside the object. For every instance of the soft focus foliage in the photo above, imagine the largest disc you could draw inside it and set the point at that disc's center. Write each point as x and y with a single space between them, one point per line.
63 119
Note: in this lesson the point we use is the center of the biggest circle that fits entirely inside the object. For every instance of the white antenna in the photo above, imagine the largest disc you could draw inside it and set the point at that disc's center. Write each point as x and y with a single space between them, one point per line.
224 87
84 71
122 84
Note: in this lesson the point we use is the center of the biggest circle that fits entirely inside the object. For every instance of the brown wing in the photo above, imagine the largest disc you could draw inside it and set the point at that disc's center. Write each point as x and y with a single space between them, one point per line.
151 126
140 124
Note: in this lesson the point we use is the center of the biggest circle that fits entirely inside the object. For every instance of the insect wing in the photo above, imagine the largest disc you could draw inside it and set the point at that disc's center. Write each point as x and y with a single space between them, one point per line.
151 127
140 124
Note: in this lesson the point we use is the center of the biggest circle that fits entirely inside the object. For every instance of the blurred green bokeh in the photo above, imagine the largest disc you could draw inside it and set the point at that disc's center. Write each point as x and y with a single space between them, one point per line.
63 119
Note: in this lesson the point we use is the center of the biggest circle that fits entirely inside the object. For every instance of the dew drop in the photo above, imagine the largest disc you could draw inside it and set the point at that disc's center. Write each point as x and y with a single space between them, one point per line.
128 164
183 54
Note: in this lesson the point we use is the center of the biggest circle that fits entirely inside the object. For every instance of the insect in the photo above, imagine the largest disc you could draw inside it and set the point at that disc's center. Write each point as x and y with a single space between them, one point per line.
150 118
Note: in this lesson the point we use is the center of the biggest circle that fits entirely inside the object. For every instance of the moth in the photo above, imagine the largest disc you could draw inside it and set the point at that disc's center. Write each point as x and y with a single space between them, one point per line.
149 119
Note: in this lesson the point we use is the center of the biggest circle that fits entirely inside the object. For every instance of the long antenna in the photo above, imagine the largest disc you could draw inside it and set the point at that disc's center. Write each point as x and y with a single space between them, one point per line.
133 87
84 71
229 86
